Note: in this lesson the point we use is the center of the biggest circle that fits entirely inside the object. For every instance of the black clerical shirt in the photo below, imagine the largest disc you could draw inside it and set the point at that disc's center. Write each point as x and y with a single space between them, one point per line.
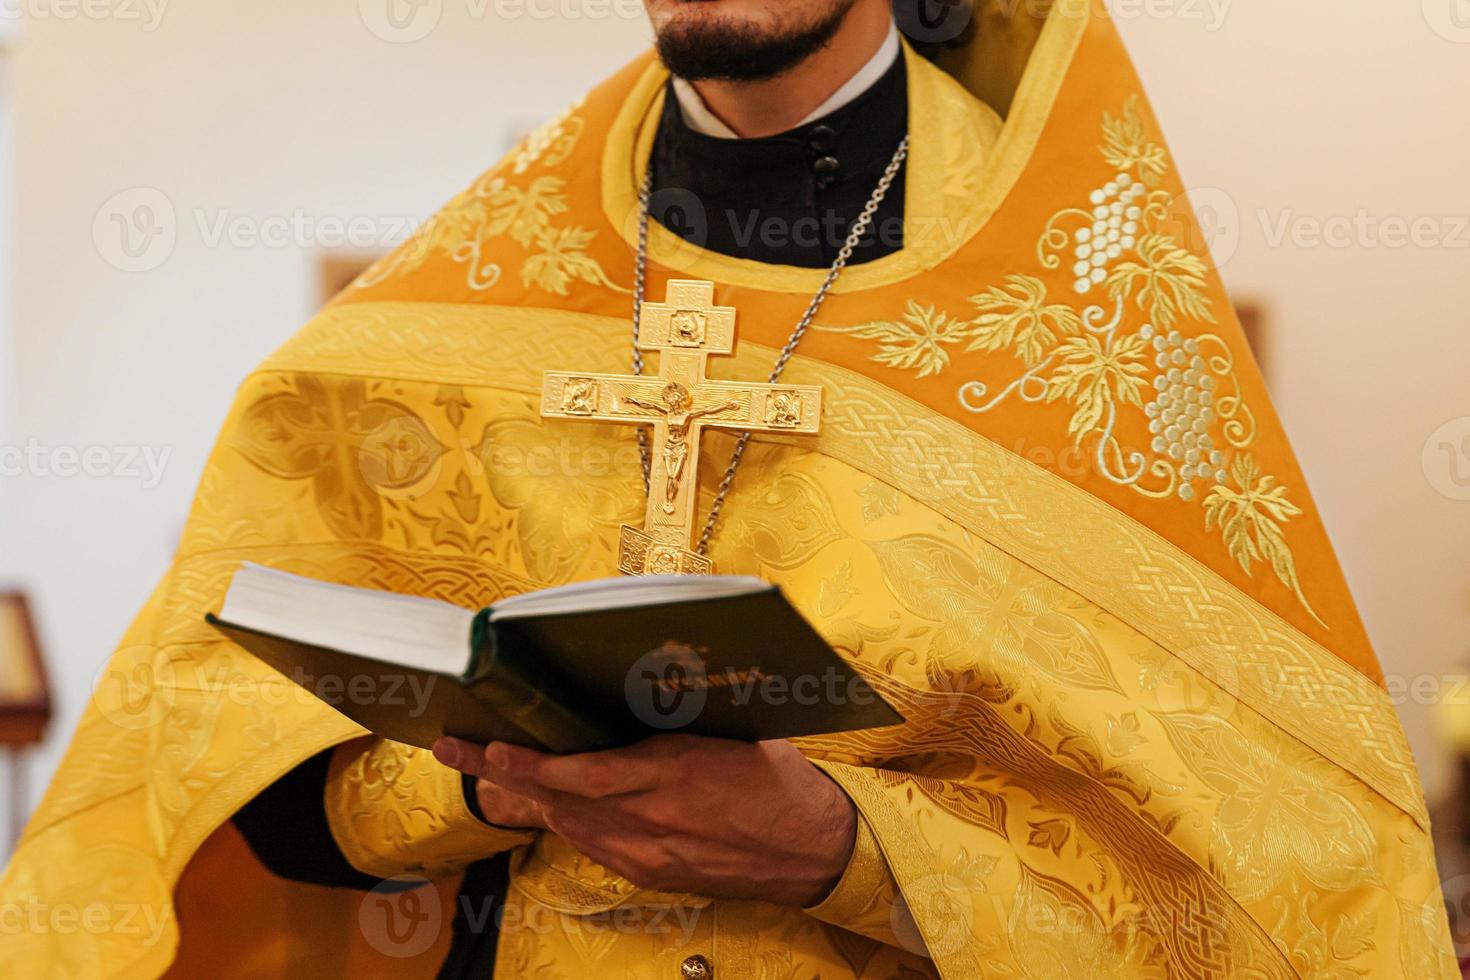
791 198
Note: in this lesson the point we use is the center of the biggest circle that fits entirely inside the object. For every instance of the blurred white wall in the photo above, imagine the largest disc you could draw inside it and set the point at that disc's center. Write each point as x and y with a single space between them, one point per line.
275 109
1328 129
257 112
7 366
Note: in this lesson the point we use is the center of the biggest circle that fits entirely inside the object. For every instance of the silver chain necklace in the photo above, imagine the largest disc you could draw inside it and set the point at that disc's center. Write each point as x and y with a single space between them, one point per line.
859 228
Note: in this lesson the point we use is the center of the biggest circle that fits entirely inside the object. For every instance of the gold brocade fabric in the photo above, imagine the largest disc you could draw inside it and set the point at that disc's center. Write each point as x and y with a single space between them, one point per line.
1145 737
394 810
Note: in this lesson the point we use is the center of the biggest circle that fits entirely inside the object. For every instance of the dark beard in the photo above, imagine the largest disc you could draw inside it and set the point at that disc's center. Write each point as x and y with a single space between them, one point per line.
735 52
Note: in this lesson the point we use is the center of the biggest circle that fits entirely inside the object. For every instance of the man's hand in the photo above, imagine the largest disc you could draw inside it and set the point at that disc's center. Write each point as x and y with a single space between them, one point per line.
678 813
497 805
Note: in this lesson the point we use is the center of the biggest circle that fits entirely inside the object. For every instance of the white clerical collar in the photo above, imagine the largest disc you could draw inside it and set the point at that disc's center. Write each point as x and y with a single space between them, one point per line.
697 115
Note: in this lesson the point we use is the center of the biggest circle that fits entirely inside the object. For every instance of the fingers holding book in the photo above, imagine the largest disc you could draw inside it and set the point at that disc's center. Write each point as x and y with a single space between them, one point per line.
681 813
497 805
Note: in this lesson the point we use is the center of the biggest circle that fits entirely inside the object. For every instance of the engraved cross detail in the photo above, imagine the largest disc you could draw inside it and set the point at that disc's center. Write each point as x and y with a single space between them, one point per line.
679 402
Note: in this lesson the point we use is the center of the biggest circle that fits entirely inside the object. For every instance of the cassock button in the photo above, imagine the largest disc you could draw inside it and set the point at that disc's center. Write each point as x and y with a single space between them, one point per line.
826 166
822 138
696 968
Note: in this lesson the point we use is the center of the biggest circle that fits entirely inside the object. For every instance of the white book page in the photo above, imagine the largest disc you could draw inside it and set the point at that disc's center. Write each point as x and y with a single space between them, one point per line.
409 631
624 592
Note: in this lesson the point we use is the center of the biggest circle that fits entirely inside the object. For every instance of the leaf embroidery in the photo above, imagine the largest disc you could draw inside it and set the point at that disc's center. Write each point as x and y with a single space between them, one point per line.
916 342
1250 519
562 260
1126 146
1173 282
492 208
1020 316
524 214
1094 375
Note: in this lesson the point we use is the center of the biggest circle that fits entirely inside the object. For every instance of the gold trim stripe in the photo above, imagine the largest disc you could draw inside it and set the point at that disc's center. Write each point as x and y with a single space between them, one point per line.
1030 513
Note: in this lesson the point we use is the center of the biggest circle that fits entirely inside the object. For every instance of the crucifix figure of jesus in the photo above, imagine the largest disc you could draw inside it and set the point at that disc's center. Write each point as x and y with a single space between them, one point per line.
677 409
678 403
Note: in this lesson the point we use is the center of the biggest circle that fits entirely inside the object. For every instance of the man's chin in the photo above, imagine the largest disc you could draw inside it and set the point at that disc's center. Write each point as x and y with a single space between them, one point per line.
733 40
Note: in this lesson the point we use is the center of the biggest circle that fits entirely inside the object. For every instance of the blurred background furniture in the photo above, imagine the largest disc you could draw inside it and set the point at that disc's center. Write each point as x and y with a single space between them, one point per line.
25 703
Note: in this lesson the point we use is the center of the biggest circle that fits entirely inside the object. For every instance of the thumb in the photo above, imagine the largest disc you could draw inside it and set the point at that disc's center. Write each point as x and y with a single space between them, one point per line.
508 809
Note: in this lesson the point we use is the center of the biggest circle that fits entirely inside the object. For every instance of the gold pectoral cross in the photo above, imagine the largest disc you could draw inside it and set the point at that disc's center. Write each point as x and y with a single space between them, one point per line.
679 402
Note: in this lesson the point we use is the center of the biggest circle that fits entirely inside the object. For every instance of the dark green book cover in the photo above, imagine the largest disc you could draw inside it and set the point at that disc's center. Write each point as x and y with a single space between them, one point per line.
741 667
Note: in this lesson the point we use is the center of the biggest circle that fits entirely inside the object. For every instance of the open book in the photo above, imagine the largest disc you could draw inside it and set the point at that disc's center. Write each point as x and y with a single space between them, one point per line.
570 669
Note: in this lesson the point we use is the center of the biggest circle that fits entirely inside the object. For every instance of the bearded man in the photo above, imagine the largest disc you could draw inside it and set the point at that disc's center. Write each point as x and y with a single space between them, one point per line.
1050 515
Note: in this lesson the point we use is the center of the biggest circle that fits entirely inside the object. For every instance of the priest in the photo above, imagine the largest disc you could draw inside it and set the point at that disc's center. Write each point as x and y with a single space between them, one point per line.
998 436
